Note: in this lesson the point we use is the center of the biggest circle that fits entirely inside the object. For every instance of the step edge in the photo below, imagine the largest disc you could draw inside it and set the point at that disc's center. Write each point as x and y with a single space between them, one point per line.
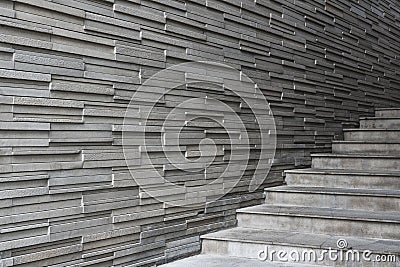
341 172
332 214
335 191
379 118
371 130
383 109
336 155
367 142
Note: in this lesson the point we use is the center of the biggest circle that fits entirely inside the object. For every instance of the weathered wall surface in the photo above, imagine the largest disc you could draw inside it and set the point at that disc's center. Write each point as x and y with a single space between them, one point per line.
68 69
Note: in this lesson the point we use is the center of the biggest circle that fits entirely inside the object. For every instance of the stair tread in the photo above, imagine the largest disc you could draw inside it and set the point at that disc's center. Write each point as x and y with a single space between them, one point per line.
301 211
369 155
310 240
370 130
336 191
344 172
379 118
225 261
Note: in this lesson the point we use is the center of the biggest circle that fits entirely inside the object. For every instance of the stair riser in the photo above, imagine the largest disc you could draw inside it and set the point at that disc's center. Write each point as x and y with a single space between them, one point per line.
372 136
252 251
380 123
380 149
371 203
343 181
388 113
344 163
374 229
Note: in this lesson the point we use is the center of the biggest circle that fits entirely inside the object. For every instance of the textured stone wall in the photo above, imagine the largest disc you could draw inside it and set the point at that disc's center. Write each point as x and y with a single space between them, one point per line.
69 68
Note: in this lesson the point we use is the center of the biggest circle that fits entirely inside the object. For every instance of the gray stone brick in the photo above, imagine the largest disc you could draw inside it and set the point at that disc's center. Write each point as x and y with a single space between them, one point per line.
69 68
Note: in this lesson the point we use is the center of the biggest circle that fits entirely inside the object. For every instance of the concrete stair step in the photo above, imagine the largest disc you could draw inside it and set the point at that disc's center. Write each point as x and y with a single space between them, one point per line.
356 162
372 135
337 198
353 192
247 243
226 261
380 123
321 220
387 112
363 147
343 178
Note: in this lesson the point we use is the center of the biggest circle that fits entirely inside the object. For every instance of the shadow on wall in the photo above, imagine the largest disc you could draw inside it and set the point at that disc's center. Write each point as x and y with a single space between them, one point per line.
68 72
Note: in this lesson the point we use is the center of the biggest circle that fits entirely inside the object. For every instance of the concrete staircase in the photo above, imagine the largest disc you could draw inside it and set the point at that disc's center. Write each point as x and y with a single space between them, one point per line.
347 201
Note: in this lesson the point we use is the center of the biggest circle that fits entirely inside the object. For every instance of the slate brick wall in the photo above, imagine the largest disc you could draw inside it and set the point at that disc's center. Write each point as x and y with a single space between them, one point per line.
68 69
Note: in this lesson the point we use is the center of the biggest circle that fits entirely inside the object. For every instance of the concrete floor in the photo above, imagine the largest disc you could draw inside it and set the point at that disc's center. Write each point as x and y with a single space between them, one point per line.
221 261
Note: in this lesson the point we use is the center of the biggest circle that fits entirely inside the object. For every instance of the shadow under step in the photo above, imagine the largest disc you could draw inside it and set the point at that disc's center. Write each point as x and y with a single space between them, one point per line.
371 135
379 123
337 198
387 112
363 147
356 162
343 178
321 220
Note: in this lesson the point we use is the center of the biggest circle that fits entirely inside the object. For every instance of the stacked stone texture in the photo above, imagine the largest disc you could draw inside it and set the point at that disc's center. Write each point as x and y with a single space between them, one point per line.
69 68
